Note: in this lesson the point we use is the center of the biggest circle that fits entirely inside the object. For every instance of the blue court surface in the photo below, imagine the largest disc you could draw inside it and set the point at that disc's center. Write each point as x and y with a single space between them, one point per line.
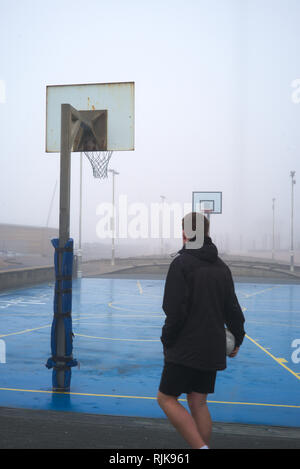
117 325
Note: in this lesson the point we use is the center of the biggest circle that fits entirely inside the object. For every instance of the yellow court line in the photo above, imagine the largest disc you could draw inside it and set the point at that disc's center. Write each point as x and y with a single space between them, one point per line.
140 287
73 319
118 396
25 330
111 338
31 330
277 360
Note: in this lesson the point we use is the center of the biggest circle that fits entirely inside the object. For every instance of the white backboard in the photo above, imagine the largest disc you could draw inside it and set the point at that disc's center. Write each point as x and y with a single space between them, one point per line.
116 98
211 201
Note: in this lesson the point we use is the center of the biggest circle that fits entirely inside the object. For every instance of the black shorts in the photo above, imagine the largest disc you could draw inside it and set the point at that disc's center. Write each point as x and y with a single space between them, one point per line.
178 379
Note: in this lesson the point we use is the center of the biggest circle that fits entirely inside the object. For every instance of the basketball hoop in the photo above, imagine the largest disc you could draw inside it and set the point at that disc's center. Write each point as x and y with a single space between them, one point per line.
99 161
206 213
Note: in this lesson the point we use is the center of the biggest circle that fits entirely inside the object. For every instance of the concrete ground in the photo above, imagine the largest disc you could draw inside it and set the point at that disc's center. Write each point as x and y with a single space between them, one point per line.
43 429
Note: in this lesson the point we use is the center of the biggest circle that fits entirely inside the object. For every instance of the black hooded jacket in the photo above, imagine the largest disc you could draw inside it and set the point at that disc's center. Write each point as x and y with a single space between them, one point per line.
199 299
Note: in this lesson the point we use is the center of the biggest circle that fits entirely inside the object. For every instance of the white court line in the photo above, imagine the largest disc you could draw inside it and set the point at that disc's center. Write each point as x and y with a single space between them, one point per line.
139 287
272 324
118 339
262 310
249 295
111 305
118 325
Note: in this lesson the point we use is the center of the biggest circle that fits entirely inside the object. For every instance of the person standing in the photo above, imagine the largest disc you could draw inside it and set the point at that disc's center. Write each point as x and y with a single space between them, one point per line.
199 299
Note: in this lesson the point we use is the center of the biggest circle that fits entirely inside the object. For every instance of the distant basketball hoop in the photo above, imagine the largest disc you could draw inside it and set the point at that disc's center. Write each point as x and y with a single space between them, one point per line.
207 211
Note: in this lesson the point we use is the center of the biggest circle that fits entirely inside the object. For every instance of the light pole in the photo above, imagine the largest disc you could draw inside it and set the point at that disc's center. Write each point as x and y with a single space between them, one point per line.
79 250
293 181
273 229
47 222
163 198
114 173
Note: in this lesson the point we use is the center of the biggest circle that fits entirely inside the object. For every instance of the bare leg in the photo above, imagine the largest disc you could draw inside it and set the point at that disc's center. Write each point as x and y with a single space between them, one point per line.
180 419
201 415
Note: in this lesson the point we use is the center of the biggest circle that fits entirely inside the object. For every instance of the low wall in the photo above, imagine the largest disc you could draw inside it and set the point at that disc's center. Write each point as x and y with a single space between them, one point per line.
249 271
10 279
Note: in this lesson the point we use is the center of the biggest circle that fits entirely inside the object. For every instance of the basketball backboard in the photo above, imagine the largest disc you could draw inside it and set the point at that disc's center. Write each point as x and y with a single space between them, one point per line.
210 202
2 92
117 99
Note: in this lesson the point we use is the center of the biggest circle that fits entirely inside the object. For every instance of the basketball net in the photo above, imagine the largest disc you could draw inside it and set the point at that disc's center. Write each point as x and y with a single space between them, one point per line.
99 161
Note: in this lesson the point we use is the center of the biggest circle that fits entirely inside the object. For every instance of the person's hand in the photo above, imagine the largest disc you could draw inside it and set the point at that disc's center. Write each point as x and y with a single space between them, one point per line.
235 352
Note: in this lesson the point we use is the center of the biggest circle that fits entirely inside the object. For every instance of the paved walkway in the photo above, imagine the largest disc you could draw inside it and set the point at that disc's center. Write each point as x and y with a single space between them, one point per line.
24 428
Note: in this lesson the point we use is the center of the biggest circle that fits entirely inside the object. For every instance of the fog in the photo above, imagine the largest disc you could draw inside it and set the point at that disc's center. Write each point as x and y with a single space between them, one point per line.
217 108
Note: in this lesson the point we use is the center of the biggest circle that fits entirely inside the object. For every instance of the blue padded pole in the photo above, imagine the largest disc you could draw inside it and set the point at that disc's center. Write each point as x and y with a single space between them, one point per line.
62 360
61 335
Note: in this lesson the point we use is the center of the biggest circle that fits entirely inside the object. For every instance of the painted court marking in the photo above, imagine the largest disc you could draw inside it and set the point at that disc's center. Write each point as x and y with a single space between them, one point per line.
139 287
280 361
25 331
112 304
117 396
249 295
112 338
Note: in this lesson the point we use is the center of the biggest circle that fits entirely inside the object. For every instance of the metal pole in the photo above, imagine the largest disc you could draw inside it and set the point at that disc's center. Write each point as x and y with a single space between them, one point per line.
113 223
48 217
64 227
114 173
163 198
273 230
79 251
292 174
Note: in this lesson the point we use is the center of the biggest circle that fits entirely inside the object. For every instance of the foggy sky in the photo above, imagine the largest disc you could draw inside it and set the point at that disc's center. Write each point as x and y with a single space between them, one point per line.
214 108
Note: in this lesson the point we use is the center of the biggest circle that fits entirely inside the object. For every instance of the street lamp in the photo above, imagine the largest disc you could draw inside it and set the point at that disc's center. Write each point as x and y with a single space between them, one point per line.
79 250
273 233
114 173
293 181
163 198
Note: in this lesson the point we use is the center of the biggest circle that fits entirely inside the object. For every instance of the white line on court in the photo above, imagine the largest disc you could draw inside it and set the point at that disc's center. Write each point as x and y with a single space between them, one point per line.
249 295
118 325
112 305
139 287
117 339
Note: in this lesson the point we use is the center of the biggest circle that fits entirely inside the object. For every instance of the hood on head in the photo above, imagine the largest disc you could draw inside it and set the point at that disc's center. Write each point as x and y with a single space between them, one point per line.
208 252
